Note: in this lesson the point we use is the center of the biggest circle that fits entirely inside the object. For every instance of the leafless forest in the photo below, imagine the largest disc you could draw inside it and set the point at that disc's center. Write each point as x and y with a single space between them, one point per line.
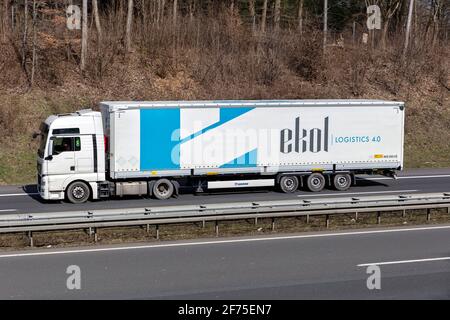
58 56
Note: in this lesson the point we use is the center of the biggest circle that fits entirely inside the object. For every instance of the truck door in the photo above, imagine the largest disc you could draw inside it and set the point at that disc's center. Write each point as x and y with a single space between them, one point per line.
84 156
62 158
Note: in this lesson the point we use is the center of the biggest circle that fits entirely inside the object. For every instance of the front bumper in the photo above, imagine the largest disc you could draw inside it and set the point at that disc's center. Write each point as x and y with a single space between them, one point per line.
44 192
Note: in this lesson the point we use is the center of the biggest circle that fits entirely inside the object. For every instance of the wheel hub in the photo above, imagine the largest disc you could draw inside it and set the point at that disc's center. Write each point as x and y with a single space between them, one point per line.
78 192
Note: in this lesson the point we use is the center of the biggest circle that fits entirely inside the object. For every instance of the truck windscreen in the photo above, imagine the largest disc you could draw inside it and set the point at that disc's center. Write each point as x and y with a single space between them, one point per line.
44 133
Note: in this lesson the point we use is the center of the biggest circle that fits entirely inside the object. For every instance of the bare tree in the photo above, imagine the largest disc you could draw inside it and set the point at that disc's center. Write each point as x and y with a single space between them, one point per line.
300 16
129 24
97 19
391 8
252 11
277 14
5 19
408 27
84 35
264 17
437 10
25 35
325 23
175 7
34 56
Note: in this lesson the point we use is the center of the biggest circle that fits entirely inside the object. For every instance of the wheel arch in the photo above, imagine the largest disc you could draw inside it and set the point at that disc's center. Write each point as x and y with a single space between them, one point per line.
67 184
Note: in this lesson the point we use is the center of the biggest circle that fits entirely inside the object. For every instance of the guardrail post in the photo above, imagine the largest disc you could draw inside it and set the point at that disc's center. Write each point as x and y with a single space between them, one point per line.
428 214
95 235
327 221
448 209
404 213
356 216
148 228
203 224
217 228
157 232
378 217
256 221
30 236
273 224
307 218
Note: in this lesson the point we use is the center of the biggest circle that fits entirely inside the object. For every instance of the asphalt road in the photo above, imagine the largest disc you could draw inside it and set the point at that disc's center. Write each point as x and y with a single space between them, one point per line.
414 264
23 199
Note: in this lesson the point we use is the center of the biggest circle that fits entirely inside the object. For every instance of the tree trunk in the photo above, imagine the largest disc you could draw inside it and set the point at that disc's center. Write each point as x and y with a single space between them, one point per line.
129 24
5 19
97 19
34 57
252 11
277 14
25 35
325 23
264 17
84 35
175 6
300 16
408 27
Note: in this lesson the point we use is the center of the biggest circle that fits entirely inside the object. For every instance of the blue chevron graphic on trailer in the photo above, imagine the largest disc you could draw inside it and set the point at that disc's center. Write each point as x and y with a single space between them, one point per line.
246 160
226 115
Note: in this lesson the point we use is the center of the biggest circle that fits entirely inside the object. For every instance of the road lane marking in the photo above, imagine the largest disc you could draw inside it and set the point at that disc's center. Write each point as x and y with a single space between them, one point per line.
8 210
402 261
199 243
408 177
354 193
18 194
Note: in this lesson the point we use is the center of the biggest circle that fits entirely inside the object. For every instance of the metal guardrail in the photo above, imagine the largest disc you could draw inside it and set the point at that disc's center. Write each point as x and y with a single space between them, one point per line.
31 222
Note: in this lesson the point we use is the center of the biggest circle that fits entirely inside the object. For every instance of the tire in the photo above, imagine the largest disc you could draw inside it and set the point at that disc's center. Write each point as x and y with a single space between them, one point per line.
342 181
163 189
78 192
288 184
315 182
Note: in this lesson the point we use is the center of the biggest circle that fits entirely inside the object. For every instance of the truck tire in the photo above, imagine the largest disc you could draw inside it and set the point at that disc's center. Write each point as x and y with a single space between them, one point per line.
163 189
315 182
78 192
342 181
288 184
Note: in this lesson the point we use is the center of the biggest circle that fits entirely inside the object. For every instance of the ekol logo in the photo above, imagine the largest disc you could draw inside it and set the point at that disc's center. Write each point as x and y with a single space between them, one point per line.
303 140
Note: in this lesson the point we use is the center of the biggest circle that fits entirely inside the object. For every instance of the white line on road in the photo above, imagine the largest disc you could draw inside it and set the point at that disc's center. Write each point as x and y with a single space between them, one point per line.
353 193
408 177
8 210
18 194
402 261
199 243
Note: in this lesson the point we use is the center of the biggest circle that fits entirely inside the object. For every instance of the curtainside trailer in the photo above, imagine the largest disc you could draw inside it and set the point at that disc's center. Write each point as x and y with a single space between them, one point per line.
157 148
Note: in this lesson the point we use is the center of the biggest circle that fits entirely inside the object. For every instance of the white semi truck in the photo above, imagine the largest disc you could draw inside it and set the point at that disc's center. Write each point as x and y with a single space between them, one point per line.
156 148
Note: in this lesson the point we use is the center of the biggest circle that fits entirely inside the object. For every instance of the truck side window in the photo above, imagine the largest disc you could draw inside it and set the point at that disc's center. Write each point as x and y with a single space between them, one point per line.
66 144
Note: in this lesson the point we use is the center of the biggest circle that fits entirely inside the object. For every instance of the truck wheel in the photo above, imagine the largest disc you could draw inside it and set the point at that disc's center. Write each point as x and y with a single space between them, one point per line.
288 184
342 181
163 189
315 182
78 192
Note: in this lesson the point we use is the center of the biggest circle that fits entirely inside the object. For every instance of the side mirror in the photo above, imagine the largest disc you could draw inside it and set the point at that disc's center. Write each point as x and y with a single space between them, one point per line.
50 149
49 158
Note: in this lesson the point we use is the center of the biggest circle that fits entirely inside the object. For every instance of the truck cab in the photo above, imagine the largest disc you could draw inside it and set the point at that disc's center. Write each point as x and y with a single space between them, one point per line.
71 156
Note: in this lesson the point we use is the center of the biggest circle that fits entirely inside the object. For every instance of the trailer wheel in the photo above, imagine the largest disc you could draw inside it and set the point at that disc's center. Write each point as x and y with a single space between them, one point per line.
315 182
288 184
163 189
342 181
78 192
